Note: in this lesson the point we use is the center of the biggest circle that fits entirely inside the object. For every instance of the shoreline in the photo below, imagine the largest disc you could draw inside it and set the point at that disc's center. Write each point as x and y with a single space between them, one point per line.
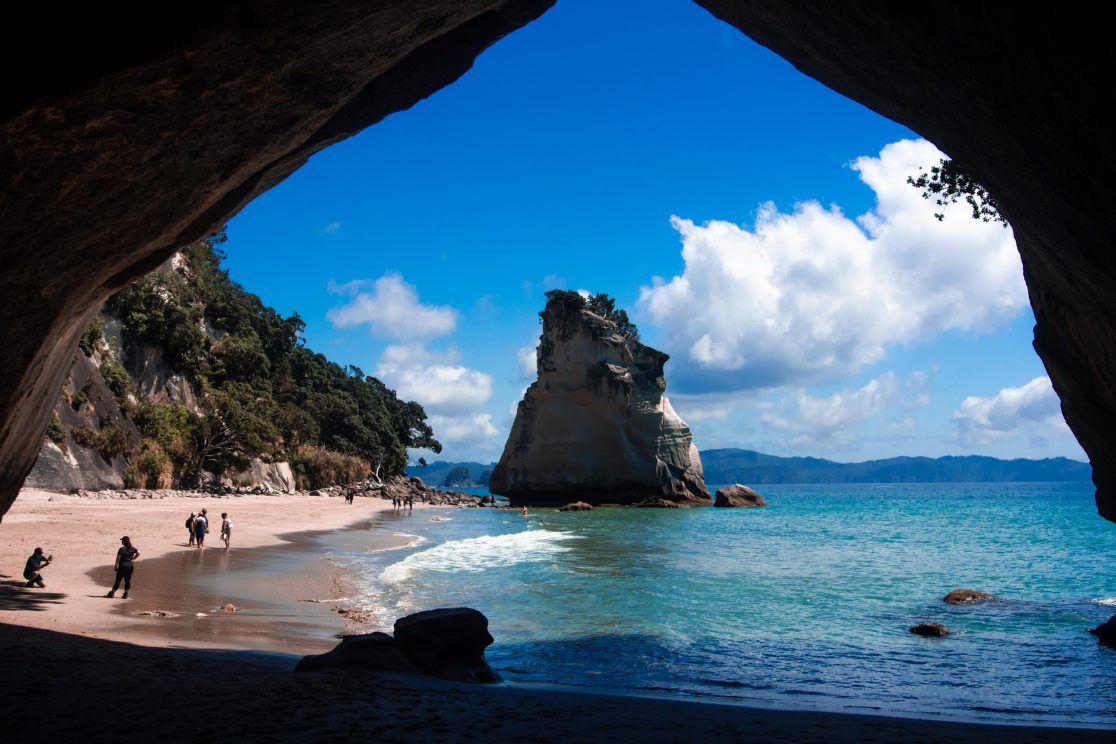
83 535
77 620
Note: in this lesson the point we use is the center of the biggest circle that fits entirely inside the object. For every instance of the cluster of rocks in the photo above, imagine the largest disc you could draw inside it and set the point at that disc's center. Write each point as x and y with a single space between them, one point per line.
955 597
445 643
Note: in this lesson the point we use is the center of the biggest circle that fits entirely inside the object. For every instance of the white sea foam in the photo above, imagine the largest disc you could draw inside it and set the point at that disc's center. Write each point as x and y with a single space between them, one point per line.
1106 601
478 554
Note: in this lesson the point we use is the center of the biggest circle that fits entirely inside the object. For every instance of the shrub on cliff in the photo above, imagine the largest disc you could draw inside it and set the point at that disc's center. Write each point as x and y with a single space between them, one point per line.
317 466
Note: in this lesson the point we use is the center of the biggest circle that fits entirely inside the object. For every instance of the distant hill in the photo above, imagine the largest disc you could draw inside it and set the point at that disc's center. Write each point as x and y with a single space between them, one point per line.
746 466
453 474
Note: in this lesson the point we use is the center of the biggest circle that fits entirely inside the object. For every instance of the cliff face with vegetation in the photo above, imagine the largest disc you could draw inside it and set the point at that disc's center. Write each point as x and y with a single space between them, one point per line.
185 377
596 425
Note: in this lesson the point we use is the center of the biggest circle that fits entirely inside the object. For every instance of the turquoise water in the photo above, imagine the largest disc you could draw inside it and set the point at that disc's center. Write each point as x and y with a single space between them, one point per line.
806 602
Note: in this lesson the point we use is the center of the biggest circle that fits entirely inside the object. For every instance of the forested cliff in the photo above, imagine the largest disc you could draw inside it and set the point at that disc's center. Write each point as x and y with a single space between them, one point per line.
185 377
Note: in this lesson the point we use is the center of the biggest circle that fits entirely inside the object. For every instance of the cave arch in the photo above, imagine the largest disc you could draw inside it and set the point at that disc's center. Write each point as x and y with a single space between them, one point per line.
130 133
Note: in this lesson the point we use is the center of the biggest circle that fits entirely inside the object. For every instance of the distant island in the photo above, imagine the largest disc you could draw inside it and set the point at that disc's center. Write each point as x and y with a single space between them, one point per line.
453 474
748 466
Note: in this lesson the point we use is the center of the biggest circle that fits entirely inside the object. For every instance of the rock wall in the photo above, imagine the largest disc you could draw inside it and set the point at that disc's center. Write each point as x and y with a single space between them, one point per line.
86 403
596 424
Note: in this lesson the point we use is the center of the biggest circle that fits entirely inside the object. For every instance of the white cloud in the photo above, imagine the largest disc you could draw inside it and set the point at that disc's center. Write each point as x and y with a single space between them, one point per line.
528 362
1032 409
391 309
831 421
813 295
332 228
470 429
444 388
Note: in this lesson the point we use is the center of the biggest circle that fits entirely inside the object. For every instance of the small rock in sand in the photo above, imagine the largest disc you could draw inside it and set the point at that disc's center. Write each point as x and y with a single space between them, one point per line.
228 607
157 613
200 614
930 630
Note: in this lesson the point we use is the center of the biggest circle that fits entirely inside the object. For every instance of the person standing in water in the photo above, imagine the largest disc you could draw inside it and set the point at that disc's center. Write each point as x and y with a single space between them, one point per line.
190 528
525 512
35 562
226 529
125 564
201 526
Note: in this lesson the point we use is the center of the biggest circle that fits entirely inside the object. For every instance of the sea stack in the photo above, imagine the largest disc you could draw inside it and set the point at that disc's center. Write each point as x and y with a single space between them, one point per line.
595 426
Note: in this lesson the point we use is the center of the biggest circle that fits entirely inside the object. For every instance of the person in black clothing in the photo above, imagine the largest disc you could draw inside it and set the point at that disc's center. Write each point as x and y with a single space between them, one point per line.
190 529
125 564
31 570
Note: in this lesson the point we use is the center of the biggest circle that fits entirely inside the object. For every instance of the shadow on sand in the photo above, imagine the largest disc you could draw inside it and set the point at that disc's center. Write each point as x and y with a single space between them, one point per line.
16 595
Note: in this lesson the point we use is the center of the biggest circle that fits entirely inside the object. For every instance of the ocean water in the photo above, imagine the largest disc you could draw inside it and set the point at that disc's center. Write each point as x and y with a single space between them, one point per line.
804 603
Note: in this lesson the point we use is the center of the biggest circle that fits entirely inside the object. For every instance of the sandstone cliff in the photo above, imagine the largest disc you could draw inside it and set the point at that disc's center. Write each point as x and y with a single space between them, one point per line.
596 424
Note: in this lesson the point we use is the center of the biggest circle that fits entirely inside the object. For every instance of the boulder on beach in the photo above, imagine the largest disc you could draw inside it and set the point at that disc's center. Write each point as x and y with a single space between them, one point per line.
964 596
1106 631
447 643
738 495
372 651
930 630
576 506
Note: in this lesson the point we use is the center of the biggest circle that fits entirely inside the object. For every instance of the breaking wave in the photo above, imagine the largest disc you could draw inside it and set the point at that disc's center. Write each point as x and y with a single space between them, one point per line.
477 554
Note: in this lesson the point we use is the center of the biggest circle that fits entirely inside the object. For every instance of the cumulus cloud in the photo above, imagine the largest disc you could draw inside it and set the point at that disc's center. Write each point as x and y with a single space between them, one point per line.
1032 409
831 421
433 377
472 429
332 228
813 295
391 309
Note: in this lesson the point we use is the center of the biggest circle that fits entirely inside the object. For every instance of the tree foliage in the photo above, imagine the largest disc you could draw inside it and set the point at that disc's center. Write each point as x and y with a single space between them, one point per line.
570 303
260 391
948 183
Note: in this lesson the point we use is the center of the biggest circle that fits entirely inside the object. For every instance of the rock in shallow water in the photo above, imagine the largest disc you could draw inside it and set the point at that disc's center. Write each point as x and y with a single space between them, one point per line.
576 506
1106 631
964 596
930 630
738 495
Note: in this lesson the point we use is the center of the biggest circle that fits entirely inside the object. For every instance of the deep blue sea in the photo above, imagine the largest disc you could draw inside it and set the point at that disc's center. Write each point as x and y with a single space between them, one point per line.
804 603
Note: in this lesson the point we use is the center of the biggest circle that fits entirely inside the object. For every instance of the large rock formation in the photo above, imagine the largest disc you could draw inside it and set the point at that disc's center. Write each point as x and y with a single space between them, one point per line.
596 424
132 131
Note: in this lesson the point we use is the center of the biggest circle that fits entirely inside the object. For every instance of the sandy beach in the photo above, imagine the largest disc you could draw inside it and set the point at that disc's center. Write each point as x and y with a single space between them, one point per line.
170 577
99 670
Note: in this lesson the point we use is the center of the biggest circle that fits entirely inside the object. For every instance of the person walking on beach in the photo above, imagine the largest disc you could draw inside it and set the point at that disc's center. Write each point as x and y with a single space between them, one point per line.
226 529
190 528
201 526
125 564
35 562
410 502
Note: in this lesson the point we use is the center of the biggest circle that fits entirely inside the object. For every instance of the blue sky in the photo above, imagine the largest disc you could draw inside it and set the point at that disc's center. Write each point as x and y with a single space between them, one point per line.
420 249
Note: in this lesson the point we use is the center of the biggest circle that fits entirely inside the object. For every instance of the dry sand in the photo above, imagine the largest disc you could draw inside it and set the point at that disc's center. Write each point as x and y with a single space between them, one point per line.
56 685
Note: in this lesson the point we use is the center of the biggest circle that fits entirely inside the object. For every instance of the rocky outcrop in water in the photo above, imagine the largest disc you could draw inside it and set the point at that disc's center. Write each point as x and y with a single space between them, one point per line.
738 495
930 630
596 424
964 596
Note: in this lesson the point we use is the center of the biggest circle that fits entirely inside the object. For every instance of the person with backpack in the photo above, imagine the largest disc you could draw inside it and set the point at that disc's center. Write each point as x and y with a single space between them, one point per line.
190 528
125 564
201 526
